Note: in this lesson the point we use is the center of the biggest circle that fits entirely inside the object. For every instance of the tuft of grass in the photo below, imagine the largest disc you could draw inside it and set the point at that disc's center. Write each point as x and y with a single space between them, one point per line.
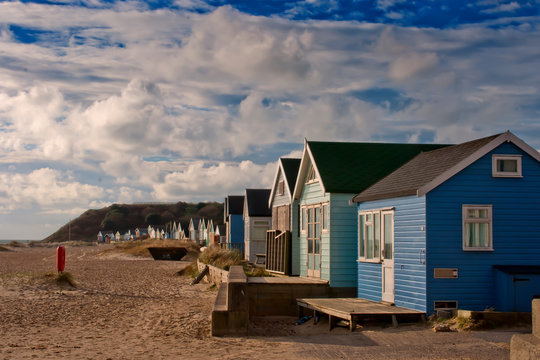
221 258
77 243
255 271
190 270
65 278
2 248
62 278
16 244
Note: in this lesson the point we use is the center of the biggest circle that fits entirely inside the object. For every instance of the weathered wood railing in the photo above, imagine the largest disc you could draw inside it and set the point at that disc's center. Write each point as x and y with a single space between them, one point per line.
278 251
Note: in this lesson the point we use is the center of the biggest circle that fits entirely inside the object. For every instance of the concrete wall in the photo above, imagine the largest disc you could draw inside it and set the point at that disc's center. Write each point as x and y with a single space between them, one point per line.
279 299
215 275
527 346
230 315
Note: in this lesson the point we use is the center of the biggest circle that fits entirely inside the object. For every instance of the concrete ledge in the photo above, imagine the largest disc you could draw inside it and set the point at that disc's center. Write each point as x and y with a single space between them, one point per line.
536 317
230 315
527 346
524 347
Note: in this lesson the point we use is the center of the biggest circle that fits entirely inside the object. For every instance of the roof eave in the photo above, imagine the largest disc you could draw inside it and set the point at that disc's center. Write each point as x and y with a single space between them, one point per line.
359 199
504 137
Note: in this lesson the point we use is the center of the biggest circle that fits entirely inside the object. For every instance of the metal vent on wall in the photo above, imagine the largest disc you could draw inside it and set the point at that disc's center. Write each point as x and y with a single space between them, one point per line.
442 305
440 273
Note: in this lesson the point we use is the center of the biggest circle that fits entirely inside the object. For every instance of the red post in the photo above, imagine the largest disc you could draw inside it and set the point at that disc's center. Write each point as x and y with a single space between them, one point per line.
60 258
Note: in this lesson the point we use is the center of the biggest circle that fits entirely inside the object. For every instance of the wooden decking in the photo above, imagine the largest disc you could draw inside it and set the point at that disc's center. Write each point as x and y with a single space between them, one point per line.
352 310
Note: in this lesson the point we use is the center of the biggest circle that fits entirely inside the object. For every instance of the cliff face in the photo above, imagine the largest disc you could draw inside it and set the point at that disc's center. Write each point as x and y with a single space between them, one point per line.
124 217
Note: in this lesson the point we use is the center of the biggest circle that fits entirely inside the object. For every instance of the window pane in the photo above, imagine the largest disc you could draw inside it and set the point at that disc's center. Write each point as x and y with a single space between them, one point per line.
482 213
317 246
388 236
317 214
310 246
304 218
318 230
310 231
507 165
369 236
483 235
325 217
361 236
477 235
259 233
377 235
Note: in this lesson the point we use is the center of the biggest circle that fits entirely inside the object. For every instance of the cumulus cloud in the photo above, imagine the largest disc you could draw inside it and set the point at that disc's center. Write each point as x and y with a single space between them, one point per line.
411 65
168 104
47 188
199 179
504 7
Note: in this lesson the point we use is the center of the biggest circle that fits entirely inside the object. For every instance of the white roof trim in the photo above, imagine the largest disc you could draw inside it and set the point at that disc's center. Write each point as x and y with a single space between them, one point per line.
276 176
505 137
275 183
303 170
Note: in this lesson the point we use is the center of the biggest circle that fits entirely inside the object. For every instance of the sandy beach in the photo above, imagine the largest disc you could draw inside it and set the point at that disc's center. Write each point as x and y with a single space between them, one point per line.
131 308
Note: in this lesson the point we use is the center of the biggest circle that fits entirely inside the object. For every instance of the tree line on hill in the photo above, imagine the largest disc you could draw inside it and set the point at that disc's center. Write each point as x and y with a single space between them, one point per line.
124 217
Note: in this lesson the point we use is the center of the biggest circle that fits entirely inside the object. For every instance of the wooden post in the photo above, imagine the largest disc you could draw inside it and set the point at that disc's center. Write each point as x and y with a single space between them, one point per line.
394 321
331 321
352 323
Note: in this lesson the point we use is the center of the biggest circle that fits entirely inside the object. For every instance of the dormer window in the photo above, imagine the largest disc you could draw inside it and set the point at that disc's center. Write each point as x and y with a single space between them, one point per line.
506 166
311 176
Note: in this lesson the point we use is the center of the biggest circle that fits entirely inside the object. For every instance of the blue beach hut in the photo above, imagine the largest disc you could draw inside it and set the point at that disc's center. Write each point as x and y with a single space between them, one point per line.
234 222
454 228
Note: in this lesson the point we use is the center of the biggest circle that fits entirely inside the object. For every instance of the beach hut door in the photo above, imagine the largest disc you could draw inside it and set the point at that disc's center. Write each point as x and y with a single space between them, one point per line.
314 241
387 256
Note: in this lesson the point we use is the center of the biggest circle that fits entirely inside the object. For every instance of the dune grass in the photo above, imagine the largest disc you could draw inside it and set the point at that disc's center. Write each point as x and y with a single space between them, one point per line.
221 258
224 259
139 248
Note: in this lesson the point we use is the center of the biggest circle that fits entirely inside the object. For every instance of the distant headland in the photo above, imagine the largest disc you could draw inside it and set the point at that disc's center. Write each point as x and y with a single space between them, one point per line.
124 217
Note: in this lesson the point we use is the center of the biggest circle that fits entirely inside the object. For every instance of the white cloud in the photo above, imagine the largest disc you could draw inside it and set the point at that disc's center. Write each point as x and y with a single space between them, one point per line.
413 64
159 102
504 7
47 188
209 182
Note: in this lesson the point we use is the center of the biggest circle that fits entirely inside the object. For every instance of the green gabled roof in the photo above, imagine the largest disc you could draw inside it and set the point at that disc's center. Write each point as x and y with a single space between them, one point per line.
352 167
291 167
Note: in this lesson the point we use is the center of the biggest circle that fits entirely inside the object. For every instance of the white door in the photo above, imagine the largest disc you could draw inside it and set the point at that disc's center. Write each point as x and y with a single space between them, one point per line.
387 246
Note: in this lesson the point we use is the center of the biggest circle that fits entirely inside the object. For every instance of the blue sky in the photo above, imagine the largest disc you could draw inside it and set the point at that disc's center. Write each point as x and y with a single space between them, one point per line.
107 102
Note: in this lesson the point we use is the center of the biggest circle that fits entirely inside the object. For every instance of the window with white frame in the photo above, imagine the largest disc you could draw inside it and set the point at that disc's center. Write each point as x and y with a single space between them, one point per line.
325 217
477 227
369 236
322 209
312 176
506 166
